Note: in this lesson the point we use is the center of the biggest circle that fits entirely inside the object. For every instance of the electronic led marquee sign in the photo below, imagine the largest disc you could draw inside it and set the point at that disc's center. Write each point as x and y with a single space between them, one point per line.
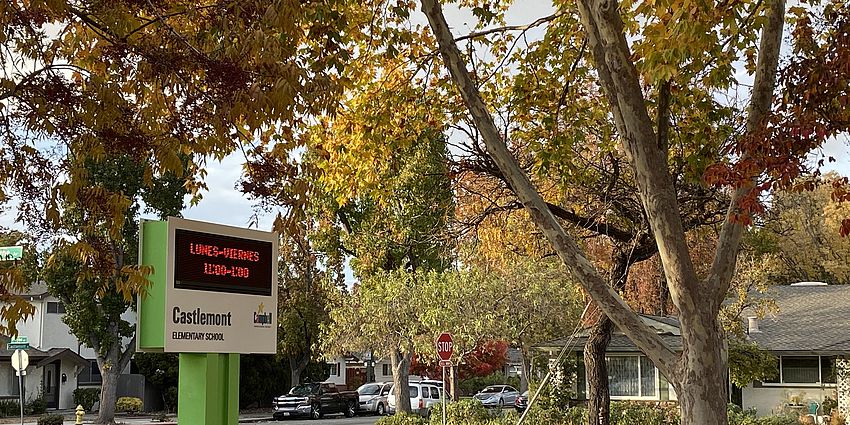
214 288
211 262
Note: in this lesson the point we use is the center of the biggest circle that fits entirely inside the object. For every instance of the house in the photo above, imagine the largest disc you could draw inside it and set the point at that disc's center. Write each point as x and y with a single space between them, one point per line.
347 372
51 374
58 362
354 370
631 375
513 363
810 335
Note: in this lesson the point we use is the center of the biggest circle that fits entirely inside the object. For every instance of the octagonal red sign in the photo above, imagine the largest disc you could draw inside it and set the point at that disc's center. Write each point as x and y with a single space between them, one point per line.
445 346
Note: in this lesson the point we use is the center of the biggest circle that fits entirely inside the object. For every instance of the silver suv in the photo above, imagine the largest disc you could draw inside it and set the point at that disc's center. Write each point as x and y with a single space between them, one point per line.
423 396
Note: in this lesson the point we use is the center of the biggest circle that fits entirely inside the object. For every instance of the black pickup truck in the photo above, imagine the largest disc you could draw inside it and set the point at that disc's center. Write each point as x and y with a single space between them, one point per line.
315 400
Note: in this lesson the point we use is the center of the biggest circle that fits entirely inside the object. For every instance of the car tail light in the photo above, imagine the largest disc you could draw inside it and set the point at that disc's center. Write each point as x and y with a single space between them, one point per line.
421 403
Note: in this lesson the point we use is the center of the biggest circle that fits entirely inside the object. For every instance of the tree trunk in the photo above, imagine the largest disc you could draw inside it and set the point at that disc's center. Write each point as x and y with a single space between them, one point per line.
701 386
111 365
110 372
454 394
524 370
596 372
297 364
401 377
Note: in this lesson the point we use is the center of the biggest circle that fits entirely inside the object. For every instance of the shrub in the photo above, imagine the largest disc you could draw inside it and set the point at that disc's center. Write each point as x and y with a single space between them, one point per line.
631 413
402 419
86 397
741 417
51 419
35 406
787 419
169 398
469 410
556 416
9 408
827 405
128 404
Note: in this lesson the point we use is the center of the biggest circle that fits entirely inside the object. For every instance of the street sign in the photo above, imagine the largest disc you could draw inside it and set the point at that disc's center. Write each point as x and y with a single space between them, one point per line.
11 253
11 346
445 363
445 346
20 360
18 343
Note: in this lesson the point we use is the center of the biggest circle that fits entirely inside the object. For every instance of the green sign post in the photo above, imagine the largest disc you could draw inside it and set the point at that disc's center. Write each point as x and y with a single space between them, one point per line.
11 253
213 296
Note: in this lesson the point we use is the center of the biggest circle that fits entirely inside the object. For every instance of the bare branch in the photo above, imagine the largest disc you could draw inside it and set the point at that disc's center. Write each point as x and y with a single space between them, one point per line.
541 21
723 267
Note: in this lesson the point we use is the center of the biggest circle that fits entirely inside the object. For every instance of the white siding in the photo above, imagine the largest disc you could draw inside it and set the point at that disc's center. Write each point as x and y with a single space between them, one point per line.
338 372
768 400
380 376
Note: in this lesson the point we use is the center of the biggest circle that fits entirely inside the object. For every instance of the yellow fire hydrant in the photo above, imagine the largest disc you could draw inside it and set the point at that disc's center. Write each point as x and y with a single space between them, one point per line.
79 414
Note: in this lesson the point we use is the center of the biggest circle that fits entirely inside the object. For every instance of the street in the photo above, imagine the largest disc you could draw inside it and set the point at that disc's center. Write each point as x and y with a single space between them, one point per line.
328 420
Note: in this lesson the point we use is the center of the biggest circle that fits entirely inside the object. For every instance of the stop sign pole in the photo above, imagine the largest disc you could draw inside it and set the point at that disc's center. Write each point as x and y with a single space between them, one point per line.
20 361
445 348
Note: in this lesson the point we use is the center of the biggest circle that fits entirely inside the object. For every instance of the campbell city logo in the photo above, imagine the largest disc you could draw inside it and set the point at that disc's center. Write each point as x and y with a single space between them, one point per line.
262 319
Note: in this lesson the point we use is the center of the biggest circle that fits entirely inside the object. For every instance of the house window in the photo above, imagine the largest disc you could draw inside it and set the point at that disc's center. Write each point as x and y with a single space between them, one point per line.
827 370
55 307
800 370
90 374
334 369
385 369
631 376
805 370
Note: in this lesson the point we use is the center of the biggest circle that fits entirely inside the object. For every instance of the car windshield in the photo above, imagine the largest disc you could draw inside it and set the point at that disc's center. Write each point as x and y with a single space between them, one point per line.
369 389
491 390
305 389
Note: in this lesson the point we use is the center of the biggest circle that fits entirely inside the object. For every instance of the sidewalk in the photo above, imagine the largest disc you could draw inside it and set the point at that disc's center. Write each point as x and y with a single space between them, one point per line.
141 419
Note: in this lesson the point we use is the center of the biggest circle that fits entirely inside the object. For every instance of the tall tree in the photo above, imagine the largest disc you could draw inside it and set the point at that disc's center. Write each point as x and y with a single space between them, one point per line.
698 373
803 230
97 277
306 297
399 226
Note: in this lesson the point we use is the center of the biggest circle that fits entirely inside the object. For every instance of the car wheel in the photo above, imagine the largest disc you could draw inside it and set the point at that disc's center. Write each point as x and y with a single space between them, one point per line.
350 410
381 411
315 411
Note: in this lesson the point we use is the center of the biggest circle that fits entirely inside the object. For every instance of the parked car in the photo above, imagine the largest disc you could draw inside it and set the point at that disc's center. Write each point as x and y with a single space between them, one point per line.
497 396
521 402
373 397
315 400
423 396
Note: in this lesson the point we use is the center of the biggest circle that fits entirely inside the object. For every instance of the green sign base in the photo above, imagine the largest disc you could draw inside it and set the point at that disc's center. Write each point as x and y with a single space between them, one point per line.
208 389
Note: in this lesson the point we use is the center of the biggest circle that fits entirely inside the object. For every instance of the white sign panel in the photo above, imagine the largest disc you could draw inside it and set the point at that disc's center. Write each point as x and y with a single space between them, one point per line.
221 289
20 360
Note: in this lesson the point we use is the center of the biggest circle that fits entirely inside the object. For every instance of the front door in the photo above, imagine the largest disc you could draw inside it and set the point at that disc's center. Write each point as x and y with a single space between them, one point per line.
50 385
354 377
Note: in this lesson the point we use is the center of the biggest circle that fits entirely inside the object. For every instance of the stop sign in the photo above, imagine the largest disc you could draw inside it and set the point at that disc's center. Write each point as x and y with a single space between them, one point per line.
445 346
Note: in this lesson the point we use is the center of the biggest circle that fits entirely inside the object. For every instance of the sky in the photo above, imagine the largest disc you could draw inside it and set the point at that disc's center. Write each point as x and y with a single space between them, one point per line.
223 204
